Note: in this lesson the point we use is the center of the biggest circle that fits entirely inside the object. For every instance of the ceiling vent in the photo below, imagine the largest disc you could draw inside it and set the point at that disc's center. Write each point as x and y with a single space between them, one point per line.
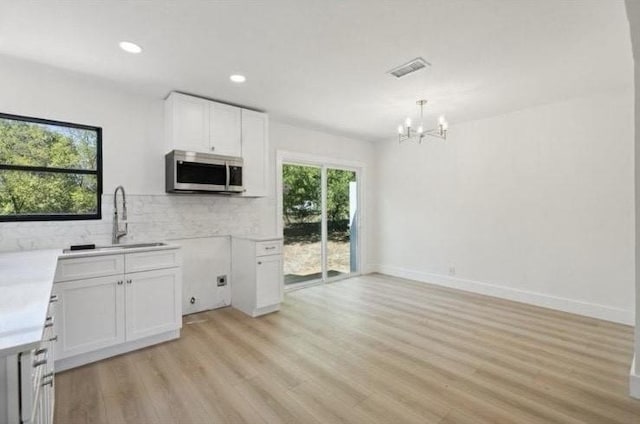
409 67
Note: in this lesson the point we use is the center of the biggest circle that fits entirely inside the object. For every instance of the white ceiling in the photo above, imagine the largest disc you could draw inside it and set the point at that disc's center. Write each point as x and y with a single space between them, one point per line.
323 63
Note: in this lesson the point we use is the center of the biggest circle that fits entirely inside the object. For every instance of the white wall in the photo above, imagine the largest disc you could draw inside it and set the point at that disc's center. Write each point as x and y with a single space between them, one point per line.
633 13
133 155
133 151
133 143
536 205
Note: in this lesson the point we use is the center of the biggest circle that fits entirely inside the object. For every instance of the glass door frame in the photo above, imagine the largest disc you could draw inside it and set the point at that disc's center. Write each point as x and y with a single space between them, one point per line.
292 158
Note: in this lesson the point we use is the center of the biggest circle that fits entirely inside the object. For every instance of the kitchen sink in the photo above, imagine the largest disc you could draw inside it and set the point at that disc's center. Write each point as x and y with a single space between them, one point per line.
117 247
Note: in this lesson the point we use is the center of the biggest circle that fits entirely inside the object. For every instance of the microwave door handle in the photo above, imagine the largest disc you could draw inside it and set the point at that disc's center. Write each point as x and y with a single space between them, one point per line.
226 164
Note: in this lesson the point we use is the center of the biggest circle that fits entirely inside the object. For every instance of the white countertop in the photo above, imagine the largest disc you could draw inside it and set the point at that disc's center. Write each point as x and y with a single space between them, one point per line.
115 251
259 238
26 281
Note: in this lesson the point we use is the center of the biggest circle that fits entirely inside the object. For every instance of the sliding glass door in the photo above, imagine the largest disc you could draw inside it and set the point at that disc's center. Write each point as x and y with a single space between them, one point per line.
302 216
341 206
320 222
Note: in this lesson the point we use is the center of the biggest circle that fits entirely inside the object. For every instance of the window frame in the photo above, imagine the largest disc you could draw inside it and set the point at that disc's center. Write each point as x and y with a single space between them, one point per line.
97 172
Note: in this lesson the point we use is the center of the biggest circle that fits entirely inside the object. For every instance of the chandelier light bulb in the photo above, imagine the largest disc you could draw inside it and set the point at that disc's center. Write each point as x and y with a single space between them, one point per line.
420 129
445 125
442 120
400 129
408 122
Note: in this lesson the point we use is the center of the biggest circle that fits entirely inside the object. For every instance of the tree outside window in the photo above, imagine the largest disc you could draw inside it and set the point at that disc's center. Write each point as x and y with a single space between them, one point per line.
49 170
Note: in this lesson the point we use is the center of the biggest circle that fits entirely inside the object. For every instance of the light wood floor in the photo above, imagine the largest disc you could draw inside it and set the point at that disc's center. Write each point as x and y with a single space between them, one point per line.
367 350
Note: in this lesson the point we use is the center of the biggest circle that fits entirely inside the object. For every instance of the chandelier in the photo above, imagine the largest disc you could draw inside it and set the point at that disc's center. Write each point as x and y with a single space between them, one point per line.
407 133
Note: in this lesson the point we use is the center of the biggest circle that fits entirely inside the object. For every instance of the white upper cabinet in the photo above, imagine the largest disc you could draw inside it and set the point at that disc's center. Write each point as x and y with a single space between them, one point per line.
225 130
255 151
200 125
187 123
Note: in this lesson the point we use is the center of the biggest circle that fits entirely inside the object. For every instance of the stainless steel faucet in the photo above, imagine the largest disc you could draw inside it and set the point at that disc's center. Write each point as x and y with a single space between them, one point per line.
117 234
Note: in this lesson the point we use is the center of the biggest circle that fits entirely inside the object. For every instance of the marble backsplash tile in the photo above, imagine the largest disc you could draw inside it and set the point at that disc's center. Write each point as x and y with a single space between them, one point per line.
150 218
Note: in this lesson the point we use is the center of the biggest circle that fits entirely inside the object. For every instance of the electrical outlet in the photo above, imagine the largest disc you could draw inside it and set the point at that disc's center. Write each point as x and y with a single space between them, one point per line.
452 270
222 280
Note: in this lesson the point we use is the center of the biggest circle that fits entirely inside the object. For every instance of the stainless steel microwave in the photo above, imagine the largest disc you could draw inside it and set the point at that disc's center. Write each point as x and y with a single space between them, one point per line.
194 172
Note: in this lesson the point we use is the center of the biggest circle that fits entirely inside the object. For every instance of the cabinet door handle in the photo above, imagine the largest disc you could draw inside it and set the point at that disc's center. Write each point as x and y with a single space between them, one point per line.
129 281
120 282
269 248
48 322
48 383
53 299
213 148
41 351
259 263
54 338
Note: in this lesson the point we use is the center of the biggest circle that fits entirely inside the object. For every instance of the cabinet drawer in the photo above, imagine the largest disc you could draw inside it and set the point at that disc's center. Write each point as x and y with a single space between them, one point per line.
264 248
31 374
146 261
94 266
36 381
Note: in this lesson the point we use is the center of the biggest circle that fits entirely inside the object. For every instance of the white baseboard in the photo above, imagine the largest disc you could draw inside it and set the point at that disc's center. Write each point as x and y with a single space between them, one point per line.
98 355
634 380
369 269
593 310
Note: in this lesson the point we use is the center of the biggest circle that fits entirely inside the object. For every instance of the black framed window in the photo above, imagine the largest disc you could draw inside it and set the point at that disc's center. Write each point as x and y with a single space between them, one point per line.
49 170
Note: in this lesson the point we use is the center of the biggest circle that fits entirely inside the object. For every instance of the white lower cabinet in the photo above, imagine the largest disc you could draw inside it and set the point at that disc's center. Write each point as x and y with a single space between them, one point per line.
90 315
29 393
256 275
103 316
38 394
153 302
268 280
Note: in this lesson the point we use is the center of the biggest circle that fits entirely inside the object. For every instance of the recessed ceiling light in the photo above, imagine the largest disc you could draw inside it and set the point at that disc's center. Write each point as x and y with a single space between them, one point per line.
130 47
238 78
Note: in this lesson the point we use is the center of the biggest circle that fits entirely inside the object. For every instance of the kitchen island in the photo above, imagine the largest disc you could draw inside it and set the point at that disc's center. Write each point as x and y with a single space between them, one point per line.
60 309
26 281
26 336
